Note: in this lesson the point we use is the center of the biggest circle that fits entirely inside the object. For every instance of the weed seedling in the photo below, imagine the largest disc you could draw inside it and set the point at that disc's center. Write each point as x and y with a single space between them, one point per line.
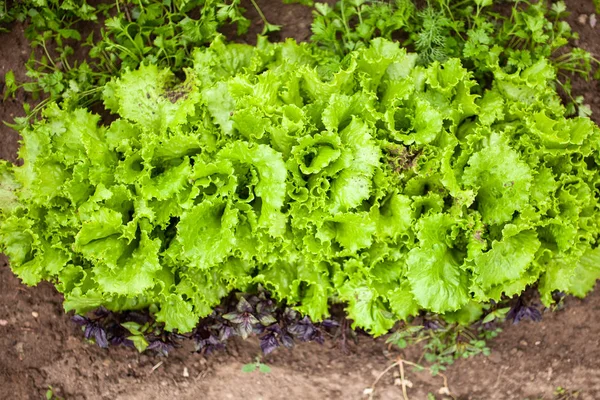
257 365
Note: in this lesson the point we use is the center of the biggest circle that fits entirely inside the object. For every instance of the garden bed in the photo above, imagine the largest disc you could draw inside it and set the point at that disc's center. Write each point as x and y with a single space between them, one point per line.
43 349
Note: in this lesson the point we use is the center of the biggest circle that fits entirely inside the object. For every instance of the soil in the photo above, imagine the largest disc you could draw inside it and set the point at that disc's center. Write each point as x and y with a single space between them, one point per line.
41 348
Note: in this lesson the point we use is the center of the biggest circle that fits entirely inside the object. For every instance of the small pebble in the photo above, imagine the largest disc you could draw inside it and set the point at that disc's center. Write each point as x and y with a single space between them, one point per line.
582 19
35 314
19 349
538 343
593 20
3 322
523 343
186 373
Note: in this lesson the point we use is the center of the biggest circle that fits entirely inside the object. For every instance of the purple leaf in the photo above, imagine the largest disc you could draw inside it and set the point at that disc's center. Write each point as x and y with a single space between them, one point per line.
226 332
329 323
80 320
432 325
121 341
319 339
268 343
100 336
266 307
208 345
266 319
101 312
90 330
275 328
520 312
290 315
243 306
287 341
306 331
245 328
258 329
527 312
160 347
236 318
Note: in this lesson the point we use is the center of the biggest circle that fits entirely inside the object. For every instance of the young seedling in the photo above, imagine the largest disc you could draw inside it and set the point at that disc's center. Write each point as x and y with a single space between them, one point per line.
257 365
50 394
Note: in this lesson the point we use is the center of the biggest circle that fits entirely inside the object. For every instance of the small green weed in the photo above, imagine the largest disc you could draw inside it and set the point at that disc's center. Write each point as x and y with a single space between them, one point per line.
50 394
445 343
257 365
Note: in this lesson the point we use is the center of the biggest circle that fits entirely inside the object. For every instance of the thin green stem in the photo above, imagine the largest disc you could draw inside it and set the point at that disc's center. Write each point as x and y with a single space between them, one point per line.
260 13
344 21
43 43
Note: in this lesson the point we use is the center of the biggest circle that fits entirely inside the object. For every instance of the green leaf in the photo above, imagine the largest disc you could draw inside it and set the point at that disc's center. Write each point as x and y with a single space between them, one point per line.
402 302
139 341
436 278
265 369
467 315
205 234
501 178
506 261
587 272
8 188
136 274
354 231
82 302
435 271
247 368
394 217
270 28
365 309
176 314
353 184
10 84
428 123
132 327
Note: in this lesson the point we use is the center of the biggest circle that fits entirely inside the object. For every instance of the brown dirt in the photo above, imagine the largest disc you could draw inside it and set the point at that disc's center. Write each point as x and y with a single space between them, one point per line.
42 348
590 41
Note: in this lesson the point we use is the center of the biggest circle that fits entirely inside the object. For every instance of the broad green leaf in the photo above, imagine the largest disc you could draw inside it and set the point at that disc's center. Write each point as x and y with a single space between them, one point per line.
176 313
501 178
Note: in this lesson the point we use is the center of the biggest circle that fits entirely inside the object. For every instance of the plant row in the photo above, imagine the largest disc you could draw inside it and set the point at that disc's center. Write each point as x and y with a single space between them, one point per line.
384 185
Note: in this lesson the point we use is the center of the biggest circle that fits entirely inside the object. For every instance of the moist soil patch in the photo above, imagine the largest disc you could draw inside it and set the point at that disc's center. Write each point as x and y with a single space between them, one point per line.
42 348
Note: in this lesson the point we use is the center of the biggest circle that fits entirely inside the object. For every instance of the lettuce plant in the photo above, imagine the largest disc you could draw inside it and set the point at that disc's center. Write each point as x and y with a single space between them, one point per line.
375 182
